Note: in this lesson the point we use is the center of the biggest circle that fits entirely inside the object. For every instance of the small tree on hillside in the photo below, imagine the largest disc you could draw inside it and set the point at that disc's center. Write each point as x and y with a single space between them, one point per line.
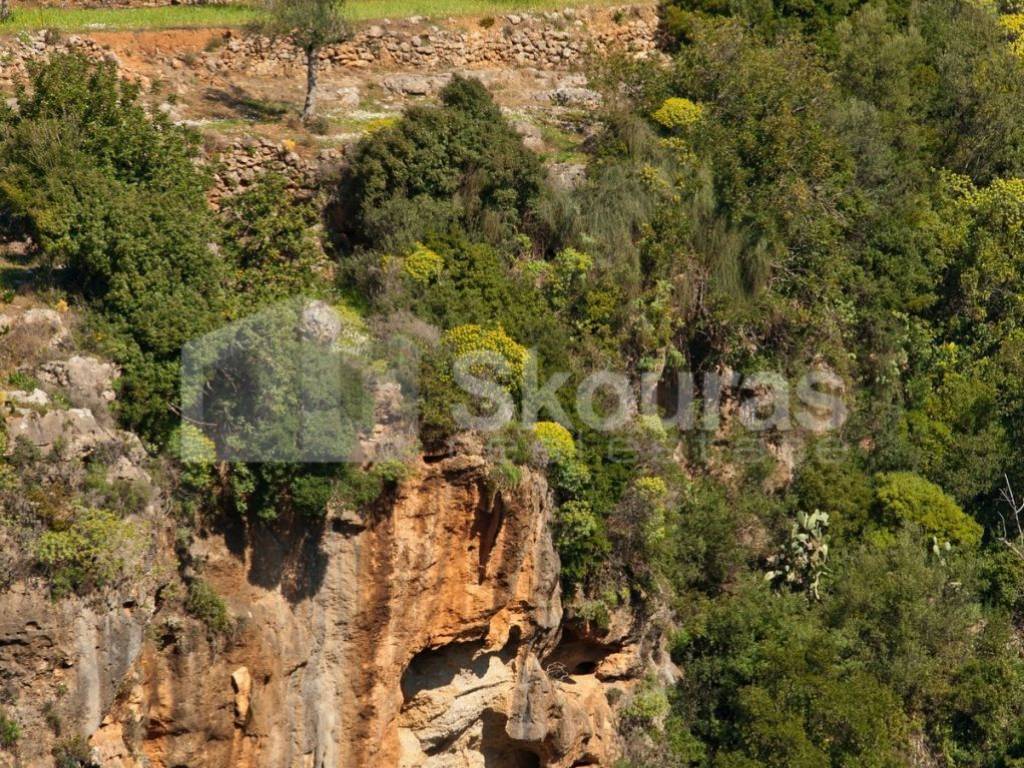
5 10
311 24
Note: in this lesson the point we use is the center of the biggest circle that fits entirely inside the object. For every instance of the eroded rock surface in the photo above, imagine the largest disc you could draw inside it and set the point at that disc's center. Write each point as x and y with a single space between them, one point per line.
426 630
417 638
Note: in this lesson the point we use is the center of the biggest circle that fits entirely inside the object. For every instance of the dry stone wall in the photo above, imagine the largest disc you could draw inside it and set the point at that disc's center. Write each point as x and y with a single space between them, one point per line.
552 40
237 165
555 39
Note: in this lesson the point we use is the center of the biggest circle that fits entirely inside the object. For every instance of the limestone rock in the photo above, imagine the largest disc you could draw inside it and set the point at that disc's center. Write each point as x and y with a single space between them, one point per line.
88 381
531 135
567 176
414 85
320 322
38 329
241 682
575 96
24 402
407 638
348 97
75 429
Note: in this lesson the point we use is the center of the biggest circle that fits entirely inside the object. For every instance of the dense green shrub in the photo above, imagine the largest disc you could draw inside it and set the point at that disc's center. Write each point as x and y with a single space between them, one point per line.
904 497
197 454
771 681
459 163
269 238
113 197
88 551
581 542
842 489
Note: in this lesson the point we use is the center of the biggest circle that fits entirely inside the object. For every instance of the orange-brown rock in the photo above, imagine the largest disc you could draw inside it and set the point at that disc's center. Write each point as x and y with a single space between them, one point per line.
415 635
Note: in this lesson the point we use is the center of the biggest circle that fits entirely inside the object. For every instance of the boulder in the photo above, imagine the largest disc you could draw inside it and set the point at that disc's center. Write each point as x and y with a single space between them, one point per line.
75 429
88 381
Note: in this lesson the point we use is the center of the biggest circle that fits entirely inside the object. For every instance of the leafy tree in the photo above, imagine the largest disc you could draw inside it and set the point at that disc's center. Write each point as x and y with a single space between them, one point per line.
459 163
116 204
311 24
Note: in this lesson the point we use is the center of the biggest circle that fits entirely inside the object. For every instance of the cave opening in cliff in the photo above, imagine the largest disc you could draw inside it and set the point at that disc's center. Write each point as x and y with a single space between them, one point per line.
577 654
434 668
523 758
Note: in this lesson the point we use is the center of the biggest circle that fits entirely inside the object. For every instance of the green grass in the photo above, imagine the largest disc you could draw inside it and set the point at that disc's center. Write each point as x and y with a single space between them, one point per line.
165 17
200 16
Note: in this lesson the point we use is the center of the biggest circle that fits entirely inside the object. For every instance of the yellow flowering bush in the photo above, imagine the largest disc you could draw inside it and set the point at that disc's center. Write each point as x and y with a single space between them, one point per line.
379 124
556 440
1013 23
423 265
469 340
194 446
678 113
651 489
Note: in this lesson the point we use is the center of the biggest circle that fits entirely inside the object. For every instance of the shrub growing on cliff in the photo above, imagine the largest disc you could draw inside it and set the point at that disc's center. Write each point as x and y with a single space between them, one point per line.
486 352
10 731
581 542
567 472
207 606
556 441
88 551
73 752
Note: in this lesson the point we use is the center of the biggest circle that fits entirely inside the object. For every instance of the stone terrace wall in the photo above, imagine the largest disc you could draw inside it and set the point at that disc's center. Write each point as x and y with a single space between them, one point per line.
237 165
550 40
15 51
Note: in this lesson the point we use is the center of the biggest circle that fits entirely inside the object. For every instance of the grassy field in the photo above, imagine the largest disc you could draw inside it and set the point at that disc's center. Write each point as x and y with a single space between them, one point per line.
199 16
167 17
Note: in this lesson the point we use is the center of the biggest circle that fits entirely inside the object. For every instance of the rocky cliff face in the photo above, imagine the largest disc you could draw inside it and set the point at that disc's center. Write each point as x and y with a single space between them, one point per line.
414 638
426 631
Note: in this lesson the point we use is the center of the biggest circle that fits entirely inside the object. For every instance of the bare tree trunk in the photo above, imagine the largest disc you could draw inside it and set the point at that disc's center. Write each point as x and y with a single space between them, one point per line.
312 71
5 10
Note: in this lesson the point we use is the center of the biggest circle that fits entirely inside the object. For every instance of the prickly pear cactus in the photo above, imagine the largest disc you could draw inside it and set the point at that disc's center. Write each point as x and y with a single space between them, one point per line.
803 559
